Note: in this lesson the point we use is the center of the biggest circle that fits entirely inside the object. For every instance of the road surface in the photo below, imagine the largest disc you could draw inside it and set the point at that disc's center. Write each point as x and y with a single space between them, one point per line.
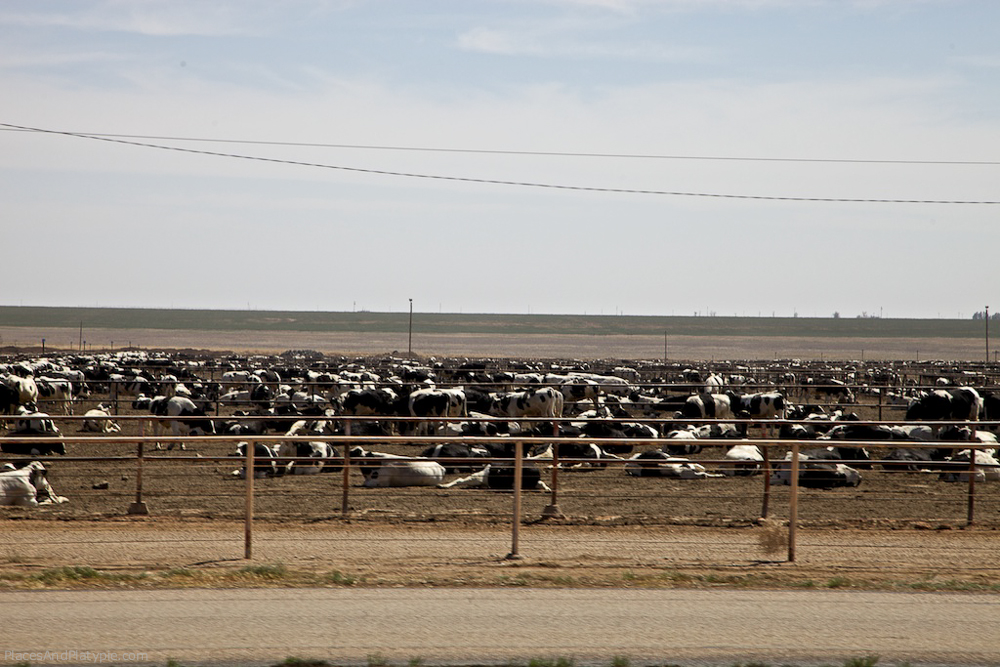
497 626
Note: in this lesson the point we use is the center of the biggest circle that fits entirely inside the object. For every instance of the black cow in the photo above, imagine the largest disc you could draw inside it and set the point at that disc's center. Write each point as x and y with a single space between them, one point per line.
960 403
455 450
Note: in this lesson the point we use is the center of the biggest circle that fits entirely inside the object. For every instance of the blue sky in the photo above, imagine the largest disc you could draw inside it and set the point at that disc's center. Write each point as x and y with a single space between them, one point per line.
838 99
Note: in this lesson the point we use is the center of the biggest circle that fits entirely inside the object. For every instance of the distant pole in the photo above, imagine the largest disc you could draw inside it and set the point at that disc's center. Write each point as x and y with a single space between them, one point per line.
987 334
81 335
664 348
409 347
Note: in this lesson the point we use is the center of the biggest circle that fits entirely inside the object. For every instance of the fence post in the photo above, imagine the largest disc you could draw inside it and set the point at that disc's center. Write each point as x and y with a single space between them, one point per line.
248 517
347 468
516 523
767 483
552 511
139 507
793 504
972 486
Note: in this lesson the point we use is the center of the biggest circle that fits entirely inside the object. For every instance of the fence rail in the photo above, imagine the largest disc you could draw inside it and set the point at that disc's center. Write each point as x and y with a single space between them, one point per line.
344 443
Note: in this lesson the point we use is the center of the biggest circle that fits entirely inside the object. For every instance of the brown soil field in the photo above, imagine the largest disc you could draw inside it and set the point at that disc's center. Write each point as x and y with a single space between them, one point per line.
564 346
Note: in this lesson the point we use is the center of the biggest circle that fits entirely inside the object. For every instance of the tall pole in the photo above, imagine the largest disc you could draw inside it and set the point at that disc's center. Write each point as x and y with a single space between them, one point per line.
987 334
409 347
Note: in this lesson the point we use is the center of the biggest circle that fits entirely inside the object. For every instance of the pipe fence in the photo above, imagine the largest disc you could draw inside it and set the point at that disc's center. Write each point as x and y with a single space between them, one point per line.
182 465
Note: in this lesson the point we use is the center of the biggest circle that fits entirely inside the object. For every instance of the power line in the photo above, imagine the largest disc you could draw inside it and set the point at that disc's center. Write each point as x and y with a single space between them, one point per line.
465 179
484 151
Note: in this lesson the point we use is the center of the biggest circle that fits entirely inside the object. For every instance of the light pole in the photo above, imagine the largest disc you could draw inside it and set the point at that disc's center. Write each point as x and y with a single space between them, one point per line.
409 347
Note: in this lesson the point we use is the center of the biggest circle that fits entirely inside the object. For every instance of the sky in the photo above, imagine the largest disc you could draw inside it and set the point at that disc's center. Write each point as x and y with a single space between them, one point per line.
615 157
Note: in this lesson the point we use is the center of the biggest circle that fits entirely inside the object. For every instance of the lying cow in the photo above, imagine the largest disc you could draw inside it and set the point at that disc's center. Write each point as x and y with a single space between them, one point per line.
815 474
655 463
742 461
385 470
26 487
264 464
98 420
500 478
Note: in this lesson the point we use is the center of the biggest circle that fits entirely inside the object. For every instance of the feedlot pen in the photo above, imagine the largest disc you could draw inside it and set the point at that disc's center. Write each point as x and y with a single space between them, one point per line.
100 476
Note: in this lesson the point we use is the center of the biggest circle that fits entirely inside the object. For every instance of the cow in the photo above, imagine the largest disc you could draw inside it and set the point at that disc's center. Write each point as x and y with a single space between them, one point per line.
368 402
456 450
742 461
319 452
500 478
958 404
815 474
27 486
10 399
581 389
770 405
435 403
27 389
55 390
389 470
264 464
655 463
98 420
593 455
532 402
175 413
986 469
829 390
707 406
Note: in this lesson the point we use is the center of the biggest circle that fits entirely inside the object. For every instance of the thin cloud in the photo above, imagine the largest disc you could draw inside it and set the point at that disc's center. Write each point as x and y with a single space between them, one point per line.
155 18
516 43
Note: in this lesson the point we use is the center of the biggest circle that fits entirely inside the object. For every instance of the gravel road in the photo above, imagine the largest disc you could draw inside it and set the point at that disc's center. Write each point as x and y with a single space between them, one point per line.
490 626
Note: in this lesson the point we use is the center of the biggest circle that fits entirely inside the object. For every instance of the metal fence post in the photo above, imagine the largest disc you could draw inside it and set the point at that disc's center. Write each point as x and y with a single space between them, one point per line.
552 511
793 504
139 507
347 468
248 517
972 485
767 483
516 522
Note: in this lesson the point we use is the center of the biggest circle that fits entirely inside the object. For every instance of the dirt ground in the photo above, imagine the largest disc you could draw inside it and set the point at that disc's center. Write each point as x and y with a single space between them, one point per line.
905 530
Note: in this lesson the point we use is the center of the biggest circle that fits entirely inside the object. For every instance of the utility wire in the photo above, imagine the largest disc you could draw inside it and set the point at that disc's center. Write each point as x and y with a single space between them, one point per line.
483 151
464 179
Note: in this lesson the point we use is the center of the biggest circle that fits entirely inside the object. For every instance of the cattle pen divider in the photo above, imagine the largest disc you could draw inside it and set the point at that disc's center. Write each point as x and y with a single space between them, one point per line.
348 441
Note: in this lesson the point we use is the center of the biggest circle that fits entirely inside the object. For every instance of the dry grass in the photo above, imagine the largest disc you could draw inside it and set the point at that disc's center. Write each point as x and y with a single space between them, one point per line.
772 536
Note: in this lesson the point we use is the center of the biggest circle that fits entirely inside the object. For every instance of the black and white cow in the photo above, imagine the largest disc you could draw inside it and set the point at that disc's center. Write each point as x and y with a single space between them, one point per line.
27 389
429 403
815 474
320 453
389 470
500 478
27 486
655 463
958 404
532 402
593 456
707 406
456 450
98 420
176 413
264 463
55 390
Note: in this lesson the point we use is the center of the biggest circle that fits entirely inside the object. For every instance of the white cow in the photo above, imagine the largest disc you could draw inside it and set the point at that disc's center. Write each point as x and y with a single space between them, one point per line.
26 487
98 420
660 464
384 470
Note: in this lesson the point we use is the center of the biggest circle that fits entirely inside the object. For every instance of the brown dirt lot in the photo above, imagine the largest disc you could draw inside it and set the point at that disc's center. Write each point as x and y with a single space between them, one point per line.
896 530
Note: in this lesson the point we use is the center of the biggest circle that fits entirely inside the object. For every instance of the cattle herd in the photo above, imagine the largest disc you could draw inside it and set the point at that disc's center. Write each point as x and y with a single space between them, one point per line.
640 419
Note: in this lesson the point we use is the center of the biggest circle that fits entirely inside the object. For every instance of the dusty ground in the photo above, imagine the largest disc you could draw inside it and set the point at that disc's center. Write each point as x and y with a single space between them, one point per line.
897 530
